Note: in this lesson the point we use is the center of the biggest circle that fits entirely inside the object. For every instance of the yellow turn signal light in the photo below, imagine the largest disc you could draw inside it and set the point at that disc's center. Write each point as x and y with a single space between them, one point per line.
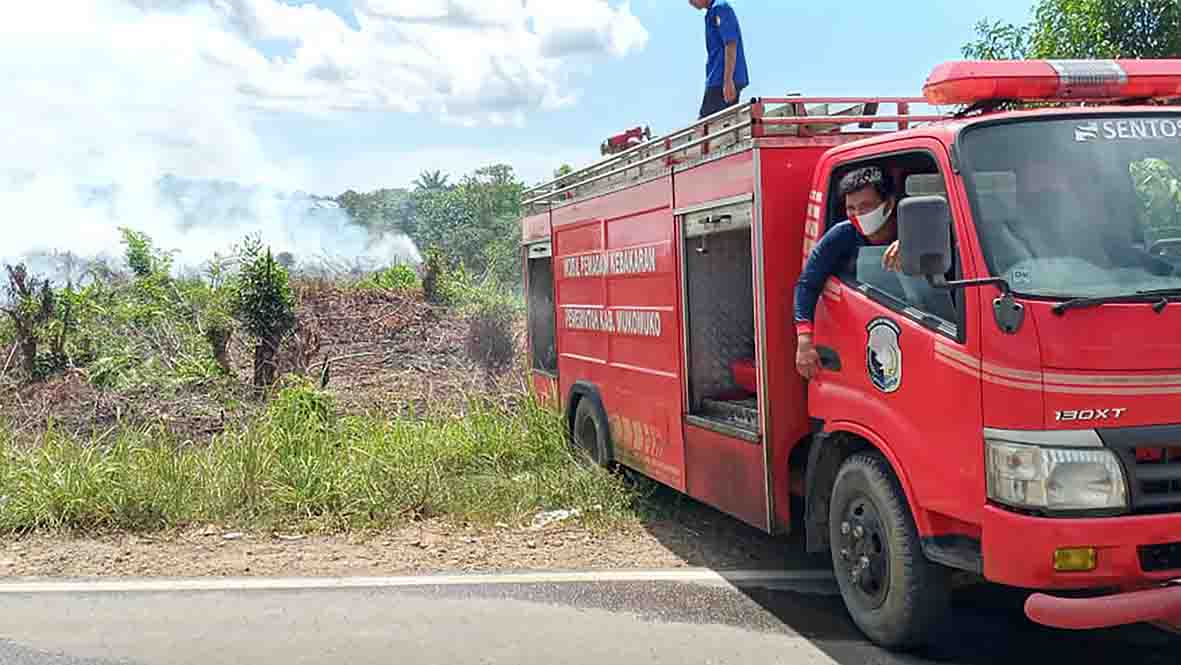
1075 559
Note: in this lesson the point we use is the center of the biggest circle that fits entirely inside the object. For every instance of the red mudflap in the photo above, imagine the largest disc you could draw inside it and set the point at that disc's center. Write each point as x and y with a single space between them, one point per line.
1160 605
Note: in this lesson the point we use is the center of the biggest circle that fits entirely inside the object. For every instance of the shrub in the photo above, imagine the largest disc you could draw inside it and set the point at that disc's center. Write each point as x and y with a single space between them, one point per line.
399 277
263 303
434 275
142 256
215 311
218 337
299 406
32 305
216 321
491 342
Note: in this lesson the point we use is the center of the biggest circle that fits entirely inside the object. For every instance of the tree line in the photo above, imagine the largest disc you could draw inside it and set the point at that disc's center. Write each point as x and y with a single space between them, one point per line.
1083 29
473 224
1099 29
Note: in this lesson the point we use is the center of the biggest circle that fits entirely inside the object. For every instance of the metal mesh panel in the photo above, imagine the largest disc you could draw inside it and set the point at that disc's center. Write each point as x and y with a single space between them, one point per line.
720 311
542 325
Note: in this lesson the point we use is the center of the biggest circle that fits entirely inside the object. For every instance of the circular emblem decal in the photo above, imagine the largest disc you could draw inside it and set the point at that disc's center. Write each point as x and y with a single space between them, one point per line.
883 355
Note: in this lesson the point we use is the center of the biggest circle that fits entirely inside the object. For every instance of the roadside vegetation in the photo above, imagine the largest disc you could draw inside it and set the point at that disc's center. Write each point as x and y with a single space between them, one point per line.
256 395
300 466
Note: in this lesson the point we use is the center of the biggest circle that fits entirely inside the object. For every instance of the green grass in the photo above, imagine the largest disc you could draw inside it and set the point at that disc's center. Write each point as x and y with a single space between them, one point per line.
300 467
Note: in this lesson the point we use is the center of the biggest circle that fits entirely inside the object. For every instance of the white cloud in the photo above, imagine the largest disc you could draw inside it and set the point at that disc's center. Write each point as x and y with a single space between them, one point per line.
109 91
567 28
182 75
123 91
475 60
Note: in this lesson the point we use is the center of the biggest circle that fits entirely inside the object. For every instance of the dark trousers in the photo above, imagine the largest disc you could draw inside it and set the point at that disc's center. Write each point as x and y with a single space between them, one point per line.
714 101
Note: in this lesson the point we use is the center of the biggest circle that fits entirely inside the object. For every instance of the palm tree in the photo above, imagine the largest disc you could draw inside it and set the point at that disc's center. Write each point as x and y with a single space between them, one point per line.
431 181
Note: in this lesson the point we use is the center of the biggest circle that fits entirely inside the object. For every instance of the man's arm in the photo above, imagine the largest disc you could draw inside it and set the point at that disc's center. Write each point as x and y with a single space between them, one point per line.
728 28
729 92
823 261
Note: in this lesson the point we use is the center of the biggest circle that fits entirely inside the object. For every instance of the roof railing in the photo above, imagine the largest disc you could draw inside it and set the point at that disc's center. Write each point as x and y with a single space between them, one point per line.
632 151
728 129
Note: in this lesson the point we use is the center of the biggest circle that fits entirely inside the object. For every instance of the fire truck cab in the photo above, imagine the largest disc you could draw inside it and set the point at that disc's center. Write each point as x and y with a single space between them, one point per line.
1008 405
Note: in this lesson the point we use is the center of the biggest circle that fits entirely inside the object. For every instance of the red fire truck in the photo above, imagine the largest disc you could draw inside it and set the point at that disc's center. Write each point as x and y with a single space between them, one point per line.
1008 405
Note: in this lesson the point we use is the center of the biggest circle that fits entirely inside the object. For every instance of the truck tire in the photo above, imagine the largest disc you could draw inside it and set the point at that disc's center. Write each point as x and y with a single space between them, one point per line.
590 431
892 592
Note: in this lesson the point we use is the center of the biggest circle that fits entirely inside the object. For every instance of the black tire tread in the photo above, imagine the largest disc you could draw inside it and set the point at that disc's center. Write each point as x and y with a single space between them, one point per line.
925 586
588 409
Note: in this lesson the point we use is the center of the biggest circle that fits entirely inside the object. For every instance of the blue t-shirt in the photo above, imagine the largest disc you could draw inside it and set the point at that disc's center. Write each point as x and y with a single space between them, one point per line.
721 27
832 254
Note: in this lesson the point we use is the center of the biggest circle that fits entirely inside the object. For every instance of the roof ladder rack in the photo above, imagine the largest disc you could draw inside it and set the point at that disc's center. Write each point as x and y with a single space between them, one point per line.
728 130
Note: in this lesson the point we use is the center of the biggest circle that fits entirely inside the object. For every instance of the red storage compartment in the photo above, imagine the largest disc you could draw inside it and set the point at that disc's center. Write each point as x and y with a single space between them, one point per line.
744 375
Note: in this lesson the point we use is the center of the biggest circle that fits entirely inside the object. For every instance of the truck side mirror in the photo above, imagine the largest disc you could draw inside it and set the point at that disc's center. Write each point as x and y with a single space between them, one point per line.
924 235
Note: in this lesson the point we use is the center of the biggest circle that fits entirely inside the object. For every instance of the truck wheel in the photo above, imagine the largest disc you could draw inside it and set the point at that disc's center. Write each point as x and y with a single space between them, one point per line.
892 592
590 431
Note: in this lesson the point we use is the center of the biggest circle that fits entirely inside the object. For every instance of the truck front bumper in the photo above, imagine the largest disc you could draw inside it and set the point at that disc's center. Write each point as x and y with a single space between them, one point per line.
1019 550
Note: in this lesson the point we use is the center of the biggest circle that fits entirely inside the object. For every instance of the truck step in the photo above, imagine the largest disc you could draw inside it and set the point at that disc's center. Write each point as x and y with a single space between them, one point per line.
744 413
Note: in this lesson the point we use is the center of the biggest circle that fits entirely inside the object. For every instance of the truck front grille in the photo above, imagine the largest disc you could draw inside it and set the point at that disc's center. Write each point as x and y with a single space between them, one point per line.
1152 458
1157 558
1158 471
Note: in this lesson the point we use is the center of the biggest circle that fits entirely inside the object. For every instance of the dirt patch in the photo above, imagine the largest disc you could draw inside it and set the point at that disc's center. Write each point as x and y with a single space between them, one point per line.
696 536
392 353
75 407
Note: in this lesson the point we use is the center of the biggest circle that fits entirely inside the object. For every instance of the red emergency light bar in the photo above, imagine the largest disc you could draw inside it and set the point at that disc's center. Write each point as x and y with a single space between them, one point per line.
968 82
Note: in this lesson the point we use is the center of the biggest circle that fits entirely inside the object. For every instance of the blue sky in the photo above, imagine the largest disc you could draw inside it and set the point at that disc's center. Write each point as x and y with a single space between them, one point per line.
862 48
324 95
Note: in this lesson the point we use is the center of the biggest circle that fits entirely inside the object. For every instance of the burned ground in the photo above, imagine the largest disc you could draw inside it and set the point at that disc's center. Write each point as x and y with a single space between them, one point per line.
388 353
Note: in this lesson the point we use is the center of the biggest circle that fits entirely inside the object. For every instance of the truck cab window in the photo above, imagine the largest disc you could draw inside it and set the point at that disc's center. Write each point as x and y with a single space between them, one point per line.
911 175
1062 218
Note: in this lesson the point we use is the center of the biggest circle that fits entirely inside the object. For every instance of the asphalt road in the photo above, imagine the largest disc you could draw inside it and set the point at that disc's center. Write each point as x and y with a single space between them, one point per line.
544 620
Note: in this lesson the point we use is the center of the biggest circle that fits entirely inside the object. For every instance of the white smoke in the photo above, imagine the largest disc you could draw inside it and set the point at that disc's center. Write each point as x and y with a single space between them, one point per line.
115 94
101 95
193 220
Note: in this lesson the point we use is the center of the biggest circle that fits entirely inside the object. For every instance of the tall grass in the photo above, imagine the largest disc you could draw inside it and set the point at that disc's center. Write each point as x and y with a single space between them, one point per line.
301 467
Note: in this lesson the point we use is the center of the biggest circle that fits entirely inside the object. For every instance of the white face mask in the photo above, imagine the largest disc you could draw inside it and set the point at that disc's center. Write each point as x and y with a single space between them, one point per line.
872 221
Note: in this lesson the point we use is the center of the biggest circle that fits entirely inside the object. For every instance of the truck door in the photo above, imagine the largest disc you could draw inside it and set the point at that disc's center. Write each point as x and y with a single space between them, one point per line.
904 348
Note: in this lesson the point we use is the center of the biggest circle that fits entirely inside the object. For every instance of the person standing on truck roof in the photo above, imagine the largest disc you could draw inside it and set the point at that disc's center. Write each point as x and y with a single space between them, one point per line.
872 207
725 66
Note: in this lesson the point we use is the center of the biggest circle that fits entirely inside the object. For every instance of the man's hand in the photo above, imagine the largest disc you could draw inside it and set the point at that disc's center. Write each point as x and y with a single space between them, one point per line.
729 91
890 259
807 359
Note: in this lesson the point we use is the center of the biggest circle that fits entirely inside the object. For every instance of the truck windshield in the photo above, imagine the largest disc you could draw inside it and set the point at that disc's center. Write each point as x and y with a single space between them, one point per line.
1078 207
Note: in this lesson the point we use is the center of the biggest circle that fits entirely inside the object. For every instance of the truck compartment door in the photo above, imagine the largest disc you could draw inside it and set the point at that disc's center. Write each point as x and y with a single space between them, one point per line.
724 457
542 318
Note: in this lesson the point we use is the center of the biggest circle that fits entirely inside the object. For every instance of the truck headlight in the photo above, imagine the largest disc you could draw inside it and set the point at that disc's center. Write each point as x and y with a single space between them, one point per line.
1056 479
